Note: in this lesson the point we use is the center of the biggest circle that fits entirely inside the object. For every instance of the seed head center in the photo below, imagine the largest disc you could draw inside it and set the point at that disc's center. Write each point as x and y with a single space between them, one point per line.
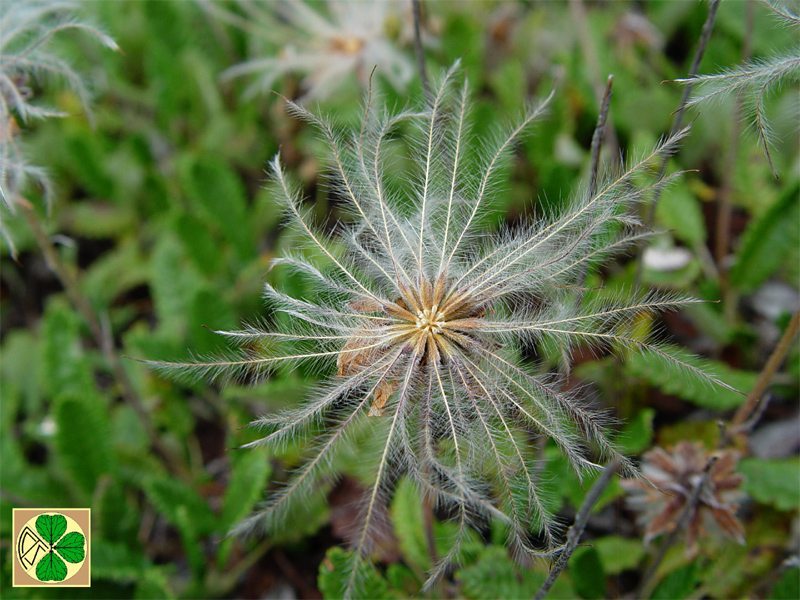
431 319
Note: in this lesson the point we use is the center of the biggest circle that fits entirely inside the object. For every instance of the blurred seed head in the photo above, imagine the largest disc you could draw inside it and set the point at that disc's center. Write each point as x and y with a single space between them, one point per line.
672 477
325 46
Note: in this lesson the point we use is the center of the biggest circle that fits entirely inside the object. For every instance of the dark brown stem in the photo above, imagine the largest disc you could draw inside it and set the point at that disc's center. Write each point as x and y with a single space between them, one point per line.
417 10
708 26
101 335
677 121
597 137
589 52
597 145
649 581
428 519
750 406
576 531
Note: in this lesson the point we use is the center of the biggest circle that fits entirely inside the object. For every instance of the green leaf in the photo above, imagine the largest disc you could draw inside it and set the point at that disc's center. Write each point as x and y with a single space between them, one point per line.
187 527
586 573
117 562
678 584
116 272
618 553
767 240
570 487
82 438
51 527
51 568
169 495
32 482
680 211
220 199
63 358
21 368
508 82
679 381
406 512
276 393
772 482
153 585
334 573
199 243
210 309
87 158
99 219
788 586
71 547
637 435
174 284
250 472
403 579
116 513
494 576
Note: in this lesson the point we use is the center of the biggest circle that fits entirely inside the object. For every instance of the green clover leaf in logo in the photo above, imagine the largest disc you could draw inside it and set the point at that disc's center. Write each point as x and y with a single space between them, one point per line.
70 547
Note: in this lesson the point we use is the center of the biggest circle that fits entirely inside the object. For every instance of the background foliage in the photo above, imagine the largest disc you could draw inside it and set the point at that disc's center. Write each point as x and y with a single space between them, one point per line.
161 208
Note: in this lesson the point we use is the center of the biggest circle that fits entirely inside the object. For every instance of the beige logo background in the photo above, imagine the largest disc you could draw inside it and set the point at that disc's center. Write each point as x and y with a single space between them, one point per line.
24 519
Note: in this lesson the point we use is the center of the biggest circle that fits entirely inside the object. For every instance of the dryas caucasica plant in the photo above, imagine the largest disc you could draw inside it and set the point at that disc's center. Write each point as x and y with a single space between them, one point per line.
419 321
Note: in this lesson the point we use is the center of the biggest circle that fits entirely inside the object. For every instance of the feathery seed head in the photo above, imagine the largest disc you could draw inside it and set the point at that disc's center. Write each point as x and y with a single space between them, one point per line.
421 316
26 30
324 46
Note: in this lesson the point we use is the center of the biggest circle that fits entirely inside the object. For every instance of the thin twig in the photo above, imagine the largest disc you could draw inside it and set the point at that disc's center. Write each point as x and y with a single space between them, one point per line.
597 144
708 26
576 531
597 137
589 52
649 581
765 377
428 520
418 47
101 335
677 122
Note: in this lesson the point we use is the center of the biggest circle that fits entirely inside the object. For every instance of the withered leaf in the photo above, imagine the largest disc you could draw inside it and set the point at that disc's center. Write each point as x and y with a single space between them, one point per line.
382 393
366 305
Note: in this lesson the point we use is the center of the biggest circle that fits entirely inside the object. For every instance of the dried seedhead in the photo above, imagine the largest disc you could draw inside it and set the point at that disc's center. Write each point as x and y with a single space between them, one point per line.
420 318
674 477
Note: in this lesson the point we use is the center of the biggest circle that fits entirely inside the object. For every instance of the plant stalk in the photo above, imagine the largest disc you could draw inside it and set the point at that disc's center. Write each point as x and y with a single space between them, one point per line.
576 531
418 50
708 26
101 336
765 377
